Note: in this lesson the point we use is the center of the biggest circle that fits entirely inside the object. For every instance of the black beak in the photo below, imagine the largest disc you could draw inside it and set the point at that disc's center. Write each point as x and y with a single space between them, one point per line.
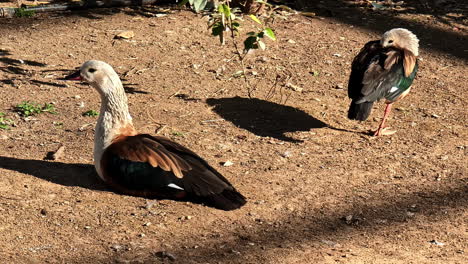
74 76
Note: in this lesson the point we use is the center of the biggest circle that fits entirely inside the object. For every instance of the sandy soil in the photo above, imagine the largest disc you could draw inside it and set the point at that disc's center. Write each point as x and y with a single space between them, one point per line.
319 189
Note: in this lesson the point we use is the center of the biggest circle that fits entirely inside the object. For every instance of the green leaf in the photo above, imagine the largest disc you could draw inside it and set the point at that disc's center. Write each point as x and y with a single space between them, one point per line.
235 25
224 9
199 5
250 43
254 18
269 33
217 29
90 113
262 45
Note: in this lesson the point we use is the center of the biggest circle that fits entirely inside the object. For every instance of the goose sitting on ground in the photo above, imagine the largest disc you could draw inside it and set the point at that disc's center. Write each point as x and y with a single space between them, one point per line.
145 165
383 68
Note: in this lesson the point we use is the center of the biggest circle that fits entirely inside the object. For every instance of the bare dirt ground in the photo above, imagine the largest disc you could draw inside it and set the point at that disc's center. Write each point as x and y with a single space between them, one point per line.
319 189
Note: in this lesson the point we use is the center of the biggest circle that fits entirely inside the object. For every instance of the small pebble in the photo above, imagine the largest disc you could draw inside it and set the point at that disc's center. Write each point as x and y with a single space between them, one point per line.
165 254
228 163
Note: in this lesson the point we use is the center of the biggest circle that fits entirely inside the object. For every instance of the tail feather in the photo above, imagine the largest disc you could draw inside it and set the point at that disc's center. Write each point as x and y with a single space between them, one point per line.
227 200
359 111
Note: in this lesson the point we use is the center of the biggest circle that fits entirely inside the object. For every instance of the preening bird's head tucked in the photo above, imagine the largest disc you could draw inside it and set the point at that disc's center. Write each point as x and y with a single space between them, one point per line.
101 76
401 38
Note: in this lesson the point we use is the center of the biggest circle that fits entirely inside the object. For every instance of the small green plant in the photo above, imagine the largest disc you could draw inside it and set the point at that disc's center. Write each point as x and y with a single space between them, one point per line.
58 124
178 134
24 12
225 22
27 108
255 39
4 122
90 113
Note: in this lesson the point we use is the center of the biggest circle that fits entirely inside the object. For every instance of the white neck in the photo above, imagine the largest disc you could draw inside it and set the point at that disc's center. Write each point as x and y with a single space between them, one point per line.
114 116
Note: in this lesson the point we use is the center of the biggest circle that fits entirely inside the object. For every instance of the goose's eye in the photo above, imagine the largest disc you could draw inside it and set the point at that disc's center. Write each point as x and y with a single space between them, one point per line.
91 70
390 41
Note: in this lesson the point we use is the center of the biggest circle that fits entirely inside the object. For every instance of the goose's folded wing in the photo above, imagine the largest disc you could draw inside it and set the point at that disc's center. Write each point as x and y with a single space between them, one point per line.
382 76
156 165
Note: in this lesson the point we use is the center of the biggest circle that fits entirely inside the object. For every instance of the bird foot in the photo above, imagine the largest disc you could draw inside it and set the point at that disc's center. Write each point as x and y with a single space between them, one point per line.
384 131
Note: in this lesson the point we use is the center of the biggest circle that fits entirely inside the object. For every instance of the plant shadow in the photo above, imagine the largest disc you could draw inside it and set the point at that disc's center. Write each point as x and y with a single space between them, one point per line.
264 118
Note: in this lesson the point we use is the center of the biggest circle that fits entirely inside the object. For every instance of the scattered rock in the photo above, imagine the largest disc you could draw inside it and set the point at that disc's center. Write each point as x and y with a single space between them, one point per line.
291 41
437 243
147 224
286 154
55 155
165 255
351 220
150 204
294 87
228 163
435 116
3 137
128 34
116 247
339 86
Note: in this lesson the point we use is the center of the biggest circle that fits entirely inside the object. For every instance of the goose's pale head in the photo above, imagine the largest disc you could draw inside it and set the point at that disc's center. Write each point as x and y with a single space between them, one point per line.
401 38
98 74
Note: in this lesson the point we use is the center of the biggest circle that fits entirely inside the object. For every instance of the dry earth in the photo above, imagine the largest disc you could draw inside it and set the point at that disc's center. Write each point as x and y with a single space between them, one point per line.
320 190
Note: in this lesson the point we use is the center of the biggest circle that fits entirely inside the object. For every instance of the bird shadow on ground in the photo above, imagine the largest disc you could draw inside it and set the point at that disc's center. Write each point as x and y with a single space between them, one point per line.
69 174
81 175
264 118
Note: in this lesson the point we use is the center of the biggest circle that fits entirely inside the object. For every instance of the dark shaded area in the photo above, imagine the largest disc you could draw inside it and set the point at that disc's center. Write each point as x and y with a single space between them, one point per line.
314 225
4 52
13 66
356 13
187 98
48 83
317 225
379 21
16 62
264 118
81 175
133 90
6 81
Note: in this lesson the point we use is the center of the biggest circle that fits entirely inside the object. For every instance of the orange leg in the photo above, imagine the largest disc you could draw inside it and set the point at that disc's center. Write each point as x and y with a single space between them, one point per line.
383 130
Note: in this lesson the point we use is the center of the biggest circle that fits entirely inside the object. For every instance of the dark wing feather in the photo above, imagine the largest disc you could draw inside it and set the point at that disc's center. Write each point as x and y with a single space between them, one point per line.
151 166
386 77
359 67
369 53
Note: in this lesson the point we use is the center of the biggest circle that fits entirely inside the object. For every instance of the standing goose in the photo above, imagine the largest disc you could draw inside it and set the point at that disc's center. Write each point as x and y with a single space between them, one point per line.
145 165
383 68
